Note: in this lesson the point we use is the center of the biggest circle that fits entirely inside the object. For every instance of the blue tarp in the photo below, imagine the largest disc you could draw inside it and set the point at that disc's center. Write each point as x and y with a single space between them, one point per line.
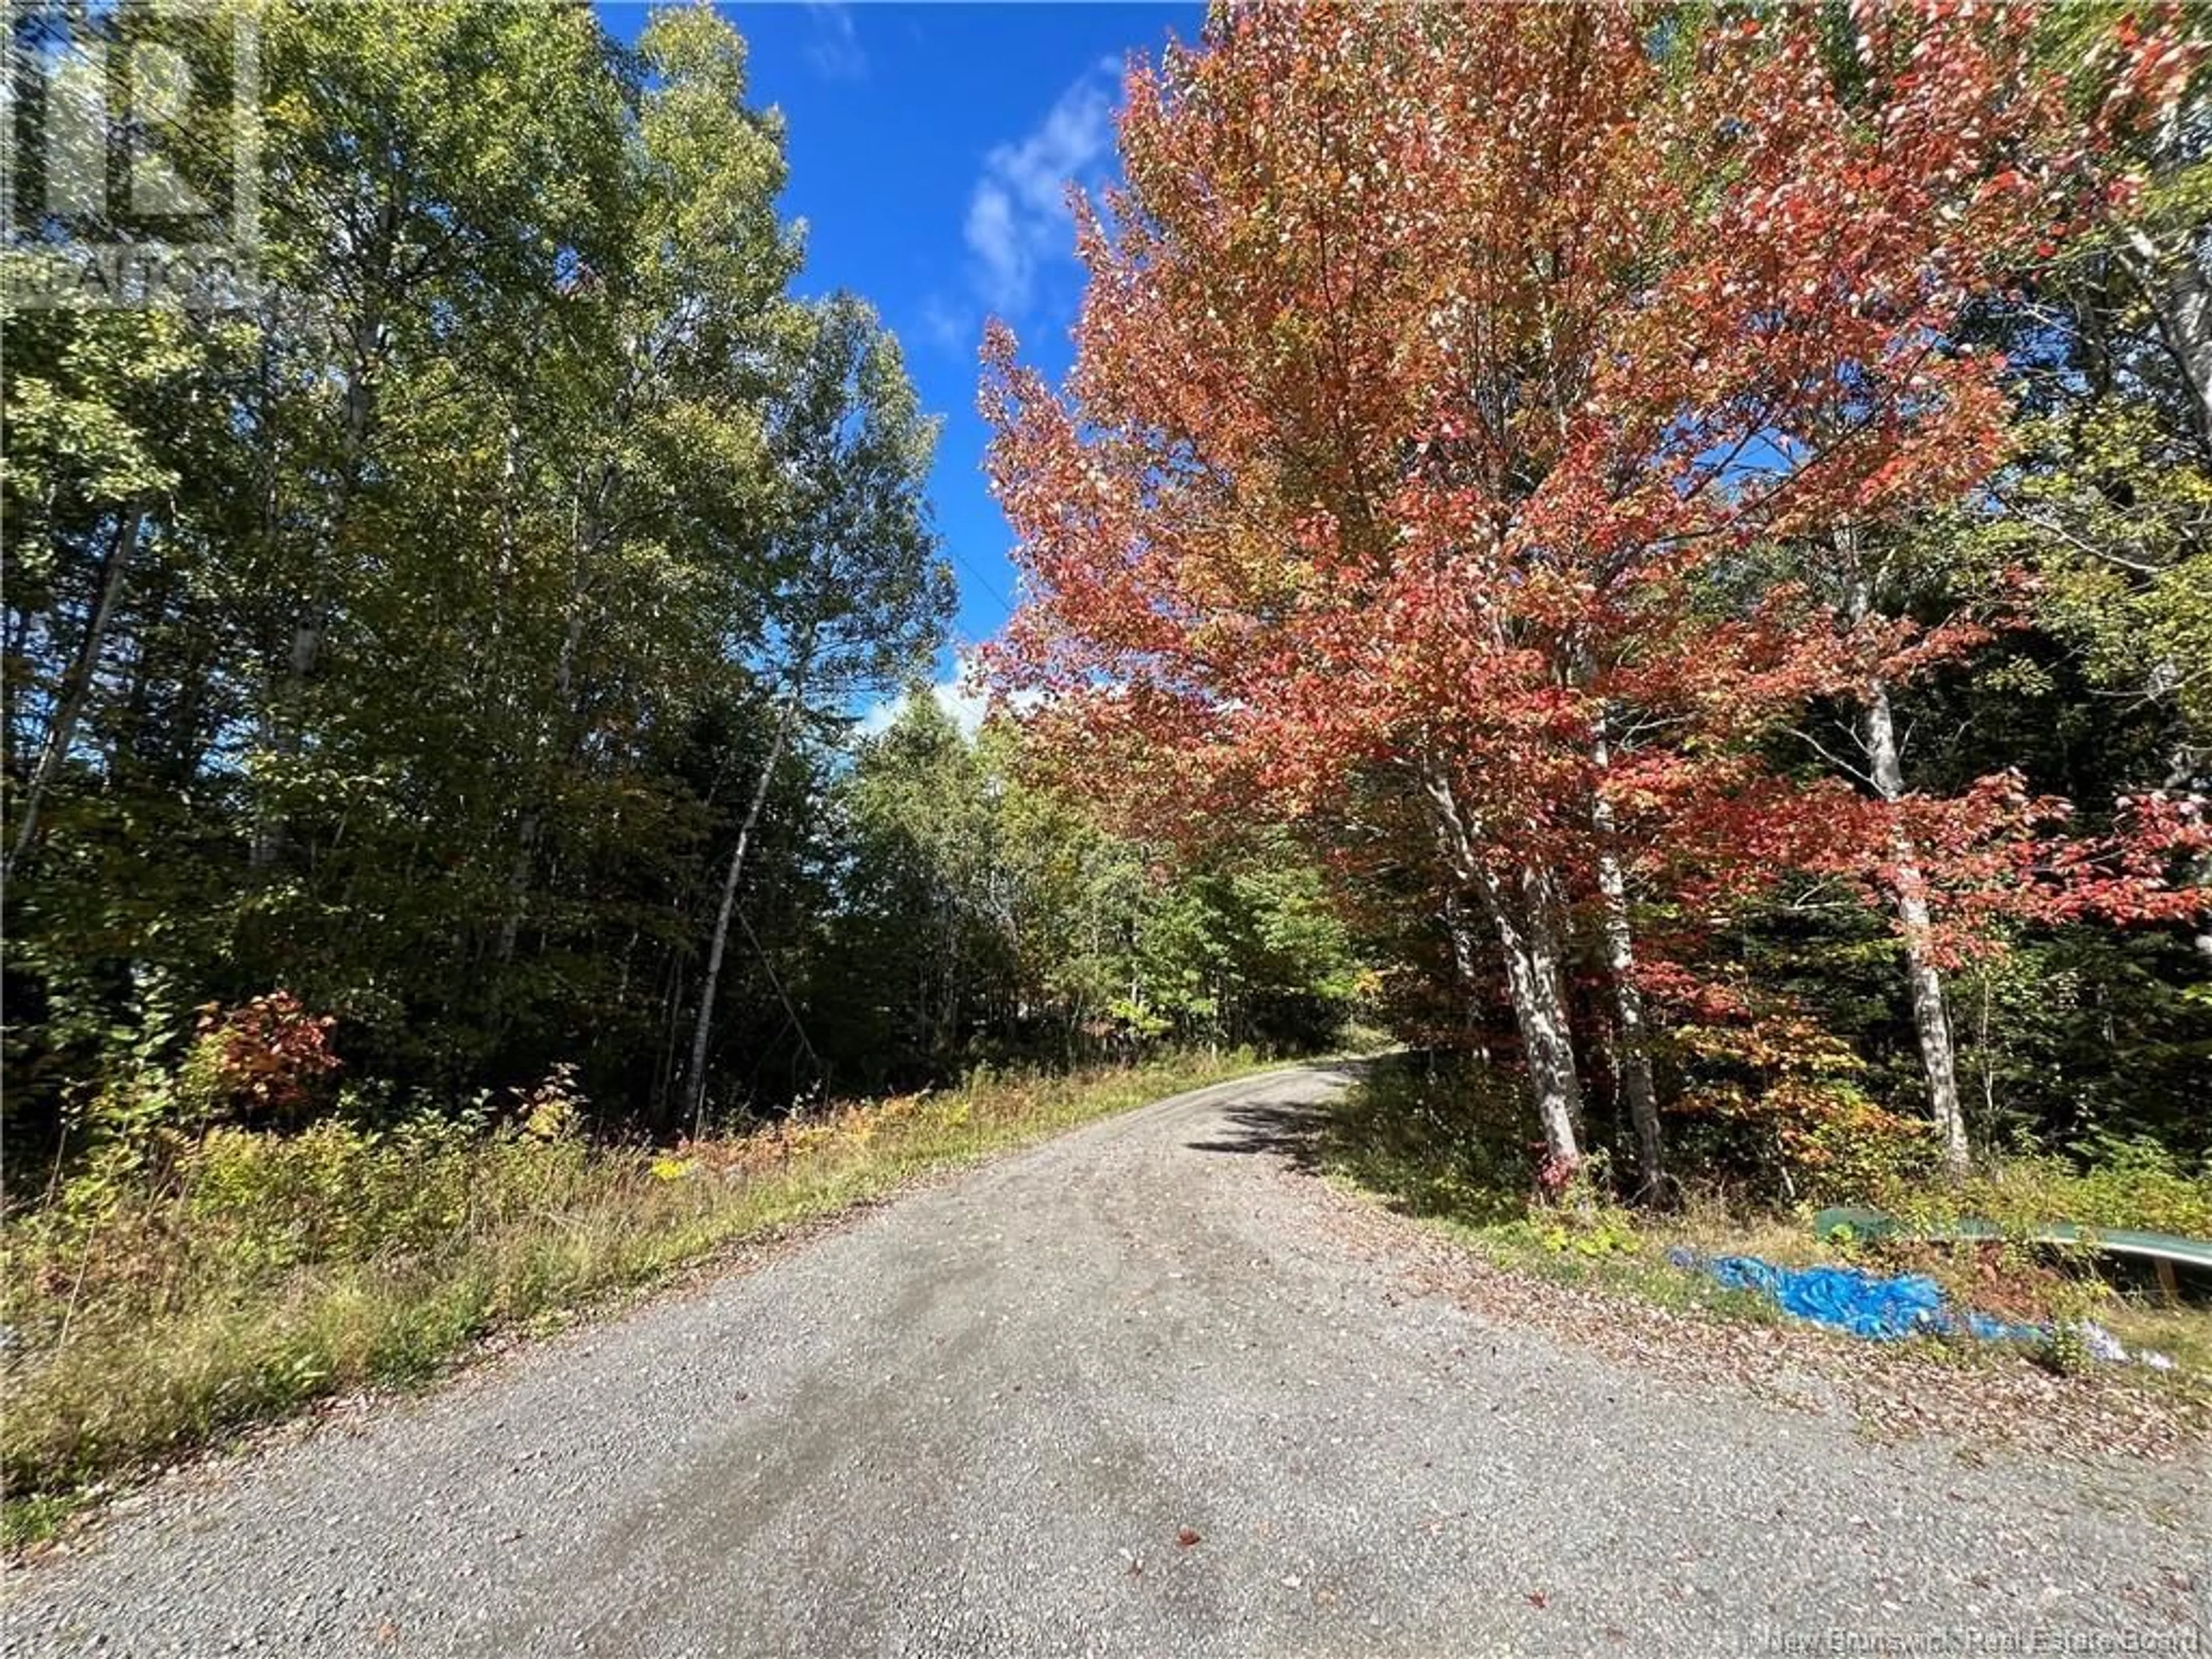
1885 1308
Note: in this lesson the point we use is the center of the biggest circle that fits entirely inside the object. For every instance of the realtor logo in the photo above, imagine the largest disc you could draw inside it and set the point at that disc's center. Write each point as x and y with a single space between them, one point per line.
133 149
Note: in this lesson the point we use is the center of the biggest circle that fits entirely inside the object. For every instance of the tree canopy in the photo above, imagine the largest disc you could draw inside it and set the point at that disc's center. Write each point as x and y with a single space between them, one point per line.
1553 456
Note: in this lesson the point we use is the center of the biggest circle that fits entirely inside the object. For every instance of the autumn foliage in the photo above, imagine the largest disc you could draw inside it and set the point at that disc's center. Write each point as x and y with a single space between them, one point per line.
267 1056
1480 420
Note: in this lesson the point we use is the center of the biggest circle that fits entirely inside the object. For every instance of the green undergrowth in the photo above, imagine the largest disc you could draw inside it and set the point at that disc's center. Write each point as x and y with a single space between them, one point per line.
1449 1146
239 1276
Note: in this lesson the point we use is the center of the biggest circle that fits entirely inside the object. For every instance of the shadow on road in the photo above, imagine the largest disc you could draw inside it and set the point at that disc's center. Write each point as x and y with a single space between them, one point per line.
1295 1130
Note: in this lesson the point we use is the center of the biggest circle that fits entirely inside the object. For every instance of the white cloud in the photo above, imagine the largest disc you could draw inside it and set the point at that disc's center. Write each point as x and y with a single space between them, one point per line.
1017 214
950 327
966 708
965 702
835 51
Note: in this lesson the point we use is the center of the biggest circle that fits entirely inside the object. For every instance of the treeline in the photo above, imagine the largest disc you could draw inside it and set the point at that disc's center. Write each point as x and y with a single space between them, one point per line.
443 661
1703 517
978 912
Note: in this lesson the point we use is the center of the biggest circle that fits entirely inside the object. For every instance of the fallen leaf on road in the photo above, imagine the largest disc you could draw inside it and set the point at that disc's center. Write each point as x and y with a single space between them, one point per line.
1186 1538
1538 1599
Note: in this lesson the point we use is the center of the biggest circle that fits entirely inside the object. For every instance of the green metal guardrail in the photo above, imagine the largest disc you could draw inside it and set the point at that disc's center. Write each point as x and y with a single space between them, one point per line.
2164 1251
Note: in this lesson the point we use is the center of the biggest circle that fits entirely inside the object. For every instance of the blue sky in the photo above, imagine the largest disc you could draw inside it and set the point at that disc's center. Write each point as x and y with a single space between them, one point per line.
929 149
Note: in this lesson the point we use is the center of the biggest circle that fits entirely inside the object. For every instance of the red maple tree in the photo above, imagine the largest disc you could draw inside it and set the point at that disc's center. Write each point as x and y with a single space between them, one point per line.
1437 372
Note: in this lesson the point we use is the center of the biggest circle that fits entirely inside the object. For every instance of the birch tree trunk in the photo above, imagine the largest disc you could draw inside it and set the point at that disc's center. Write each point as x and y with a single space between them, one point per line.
1534 962
76 689
2180 770
1938 1055
2180 293
704 1026
2184 312
1621 967
1909 894
1525 921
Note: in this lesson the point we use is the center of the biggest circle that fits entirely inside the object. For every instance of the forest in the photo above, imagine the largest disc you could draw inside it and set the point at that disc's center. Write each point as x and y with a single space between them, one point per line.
1660 558
454 664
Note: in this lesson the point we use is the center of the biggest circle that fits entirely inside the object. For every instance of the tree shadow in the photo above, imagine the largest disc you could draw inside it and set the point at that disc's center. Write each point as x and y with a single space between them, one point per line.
1294 1132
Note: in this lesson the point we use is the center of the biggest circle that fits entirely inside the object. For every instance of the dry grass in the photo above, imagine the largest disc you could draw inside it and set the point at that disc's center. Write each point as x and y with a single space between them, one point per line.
245 1276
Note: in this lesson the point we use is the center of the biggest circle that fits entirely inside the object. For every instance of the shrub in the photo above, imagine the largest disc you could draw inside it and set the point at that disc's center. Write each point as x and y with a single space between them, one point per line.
2134 1184
2065 1352
1791 1092
1443 1140
266 1058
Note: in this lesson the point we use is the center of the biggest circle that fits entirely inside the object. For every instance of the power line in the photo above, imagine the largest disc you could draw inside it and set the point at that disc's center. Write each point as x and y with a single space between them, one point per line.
988 586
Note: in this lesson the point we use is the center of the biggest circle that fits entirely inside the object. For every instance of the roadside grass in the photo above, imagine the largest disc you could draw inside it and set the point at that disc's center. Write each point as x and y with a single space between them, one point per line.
237 1276
1445 1147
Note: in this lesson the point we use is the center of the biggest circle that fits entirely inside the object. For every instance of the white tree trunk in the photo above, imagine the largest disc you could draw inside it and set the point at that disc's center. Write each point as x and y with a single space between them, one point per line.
1619 938
2178 288
703 1028
76 689
2184 761
1526 924
2187 314
1908 882
1938 1055
1528 935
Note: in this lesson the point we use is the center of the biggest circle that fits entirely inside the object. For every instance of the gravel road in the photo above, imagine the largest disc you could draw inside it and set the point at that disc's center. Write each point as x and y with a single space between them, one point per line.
1134 1392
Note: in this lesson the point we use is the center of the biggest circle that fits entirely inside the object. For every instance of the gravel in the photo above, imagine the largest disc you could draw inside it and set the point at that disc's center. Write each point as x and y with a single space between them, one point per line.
1139 1391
